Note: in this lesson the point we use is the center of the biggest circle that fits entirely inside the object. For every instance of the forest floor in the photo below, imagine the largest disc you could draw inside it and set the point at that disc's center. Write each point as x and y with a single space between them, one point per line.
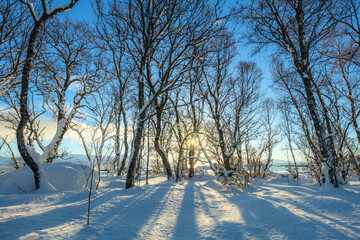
194 209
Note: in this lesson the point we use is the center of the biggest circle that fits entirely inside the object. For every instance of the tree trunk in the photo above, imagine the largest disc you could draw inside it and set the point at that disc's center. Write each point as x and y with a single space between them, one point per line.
328 168
39 174
24 115
225 156
179 165
117 138
159 149
126 145
191 162
136 143
303 68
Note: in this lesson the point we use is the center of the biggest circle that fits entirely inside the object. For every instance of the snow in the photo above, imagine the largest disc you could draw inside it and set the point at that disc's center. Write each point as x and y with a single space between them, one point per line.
61 176
218 21
50 148
61 7
45 185
196 209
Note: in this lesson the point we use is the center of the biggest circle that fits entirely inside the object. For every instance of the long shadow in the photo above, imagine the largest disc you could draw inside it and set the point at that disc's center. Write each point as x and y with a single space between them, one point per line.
319 201
186 224
324 212
271 217
220 229
110 205
125 223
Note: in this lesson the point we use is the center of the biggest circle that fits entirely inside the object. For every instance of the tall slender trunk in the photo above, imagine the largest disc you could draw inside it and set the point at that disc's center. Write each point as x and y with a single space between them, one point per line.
191 162
180 144
159 149
179 165
225 156
292 153
329 138
320 132
148 154
135 149
117 146
126 144
303 67
136 144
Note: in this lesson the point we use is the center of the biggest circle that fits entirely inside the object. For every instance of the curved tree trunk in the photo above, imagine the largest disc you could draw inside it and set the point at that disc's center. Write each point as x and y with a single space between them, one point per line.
24 114
159 149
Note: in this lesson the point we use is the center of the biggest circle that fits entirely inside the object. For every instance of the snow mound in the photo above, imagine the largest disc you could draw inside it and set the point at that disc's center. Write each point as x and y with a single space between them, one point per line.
62 176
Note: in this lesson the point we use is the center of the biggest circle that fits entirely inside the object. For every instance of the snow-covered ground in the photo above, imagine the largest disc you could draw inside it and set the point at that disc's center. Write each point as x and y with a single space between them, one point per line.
195 209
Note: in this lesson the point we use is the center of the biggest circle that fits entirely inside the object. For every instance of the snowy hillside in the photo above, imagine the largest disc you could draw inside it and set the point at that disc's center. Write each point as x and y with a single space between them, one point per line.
196 209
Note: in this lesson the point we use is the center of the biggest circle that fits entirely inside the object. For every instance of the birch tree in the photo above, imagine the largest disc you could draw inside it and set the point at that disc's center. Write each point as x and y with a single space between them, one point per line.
296 28
286 81
40 17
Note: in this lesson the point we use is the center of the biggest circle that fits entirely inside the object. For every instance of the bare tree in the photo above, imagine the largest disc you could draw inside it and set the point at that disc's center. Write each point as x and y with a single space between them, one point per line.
66 63
286 82
13 35
159 35
111 41
230 97
217 92
287 129
99 128
296 28
272 133
26 151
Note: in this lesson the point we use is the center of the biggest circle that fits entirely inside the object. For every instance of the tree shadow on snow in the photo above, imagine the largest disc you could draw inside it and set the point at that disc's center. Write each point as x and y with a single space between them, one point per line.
268 216
186 225
109 210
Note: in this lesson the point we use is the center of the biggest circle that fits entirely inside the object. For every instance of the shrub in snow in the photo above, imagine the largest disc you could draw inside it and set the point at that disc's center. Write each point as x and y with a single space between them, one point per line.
62 176
236 177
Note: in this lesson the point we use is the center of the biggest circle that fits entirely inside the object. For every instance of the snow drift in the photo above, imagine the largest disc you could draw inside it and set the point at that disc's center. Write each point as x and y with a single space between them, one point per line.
62 176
